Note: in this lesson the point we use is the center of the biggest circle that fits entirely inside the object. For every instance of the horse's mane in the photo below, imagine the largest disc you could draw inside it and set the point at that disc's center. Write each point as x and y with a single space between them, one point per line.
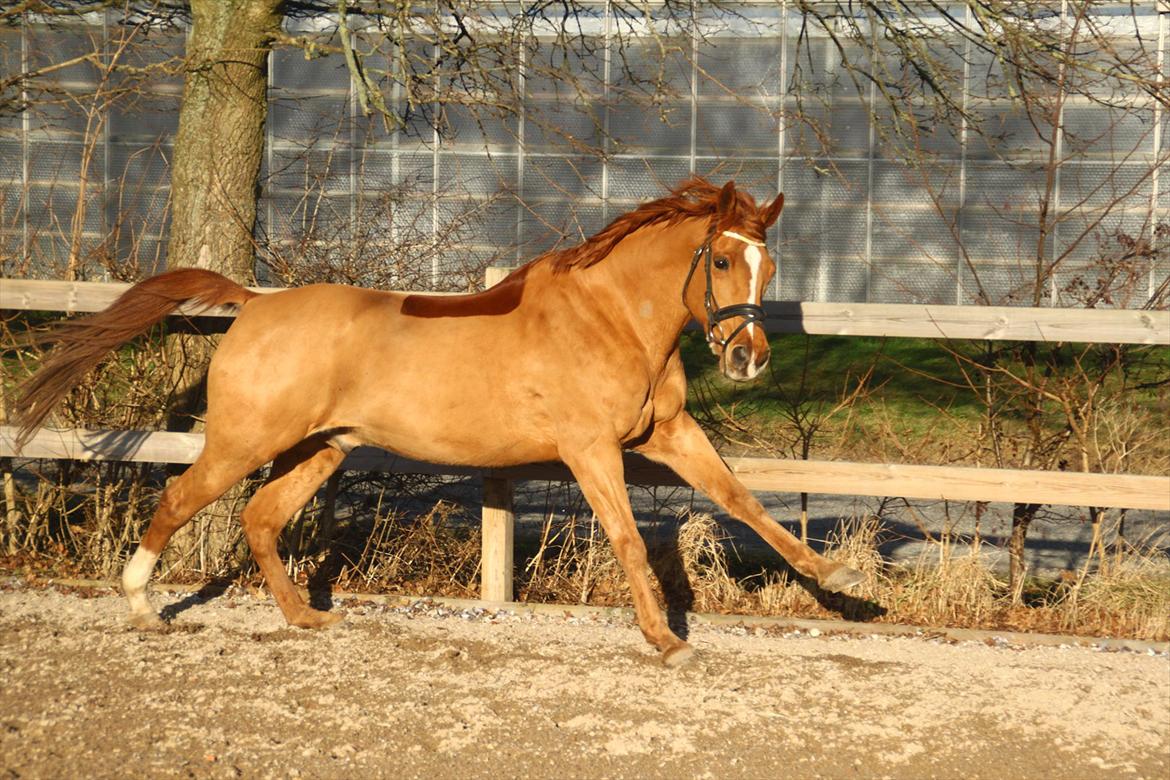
695 197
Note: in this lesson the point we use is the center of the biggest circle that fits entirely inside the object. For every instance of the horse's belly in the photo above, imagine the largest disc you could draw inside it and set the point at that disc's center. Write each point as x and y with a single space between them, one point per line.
472 446
442 423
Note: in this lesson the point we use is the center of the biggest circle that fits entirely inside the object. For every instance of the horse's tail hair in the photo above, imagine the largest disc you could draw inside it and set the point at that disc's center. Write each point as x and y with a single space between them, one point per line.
81 344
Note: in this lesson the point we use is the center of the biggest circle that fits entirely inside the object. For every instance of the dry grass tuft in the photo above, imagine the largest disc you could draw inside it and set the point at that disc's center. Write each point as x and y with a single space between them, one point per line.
950 584
573 564
946 586
1125 593
1128 597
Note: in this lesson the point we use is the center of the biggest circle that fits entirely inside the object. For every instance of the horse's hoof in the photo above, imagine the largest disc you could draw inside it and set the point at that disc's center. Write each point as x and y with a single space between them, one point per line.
147 621
841 578
316 619
677 656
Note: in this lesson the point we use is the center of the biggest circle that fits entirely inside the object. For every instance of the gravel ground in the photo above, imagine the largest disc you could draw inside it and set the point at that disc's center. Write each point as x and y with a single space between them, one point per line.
427 691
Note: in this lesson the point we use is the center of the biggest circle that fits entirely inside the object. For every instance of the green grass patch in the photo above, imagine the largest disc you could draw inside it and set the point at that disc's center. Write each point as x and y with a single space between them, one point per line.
910 378
918 393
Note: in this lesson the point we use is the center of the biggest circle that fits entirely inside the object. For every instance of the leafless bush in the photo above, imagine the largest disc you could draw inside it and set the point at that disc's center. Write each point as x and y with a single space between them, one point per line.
423 554
375 249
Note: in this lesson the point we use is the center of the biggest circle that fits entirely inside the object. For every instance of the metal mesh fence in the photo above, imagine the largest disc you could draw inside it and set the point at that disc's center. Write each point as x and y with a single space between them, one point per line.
862 222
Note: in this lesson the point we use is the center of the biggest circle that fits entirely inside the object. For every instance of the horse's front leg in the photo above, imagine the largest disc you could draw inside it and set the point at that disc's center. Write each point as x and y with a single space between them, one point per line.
681 444
598 469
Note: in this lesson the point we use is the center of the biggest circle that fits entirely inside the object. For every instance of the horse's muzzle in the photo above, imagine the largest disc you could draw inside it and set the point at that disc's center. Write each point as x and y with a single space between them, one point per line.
746 359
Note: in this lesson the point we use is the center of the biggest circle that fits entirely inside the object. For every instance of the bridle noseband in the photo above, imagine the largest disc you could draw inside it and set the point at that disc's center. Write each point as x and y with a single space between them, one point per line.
716 313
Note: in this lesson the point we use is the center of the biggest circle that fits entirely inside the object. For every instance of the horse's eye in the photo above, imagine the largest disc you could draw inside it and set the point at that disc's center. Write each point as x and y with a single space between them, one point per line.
721 263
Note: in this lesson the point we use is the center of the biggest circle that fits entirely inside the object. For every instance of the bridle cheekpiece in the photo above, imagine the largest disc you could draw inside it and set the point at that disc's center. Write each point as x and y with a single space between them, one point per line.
715 313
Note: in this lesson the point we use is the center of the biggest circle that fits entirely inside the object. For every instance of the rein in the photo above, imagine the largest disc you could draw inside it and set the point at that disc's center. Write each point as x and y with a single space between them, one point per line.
715 313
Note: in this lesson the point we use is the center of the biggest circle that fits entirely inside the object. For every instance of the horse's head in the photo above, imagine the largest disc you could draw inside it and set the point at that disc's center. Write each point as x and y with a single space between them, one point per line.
726 284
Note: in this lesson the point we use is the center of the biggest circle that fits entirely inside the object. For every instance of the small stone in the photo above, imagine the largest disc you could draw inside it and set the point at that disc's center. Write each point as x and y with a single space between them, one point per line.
814 632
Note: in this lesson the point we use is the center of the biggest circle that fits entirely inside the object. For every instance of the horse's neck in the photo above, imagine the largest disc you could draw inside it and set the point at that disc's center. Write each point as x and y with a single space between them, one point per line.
644 277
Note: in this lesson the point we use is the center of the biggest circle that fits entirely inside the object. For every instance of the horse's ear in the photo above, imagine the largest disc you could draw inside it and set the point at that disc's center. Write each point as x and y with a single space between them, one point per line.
772 212
727 204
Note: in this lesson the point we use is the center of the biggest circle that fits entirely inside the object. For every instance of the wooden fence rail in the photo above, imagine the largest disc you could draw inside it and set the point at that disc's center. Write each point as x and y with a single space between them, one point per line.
761 474
955 483
990 323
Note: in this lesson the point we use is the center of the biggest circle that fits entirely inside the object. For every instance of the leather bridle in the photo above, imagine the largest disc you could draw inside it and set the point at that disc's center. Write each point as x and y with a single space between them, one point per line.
716 314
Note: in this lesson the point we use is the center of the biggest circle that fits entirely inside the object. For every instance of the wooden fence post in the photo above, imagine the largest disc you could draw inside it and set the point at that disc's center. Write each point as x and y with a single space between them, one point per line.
493 275
499 522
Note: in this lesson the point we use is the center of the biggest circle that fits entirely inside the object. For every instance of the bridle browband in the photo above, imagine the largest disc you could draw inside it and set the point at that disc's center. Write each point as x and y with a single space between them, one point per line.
715 313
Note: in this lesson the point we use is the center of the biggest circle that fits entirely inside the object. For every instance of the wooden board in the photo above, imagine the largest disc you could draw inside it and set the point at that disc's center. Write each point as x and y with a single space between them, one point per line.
990 323
993 323
956 483
82 297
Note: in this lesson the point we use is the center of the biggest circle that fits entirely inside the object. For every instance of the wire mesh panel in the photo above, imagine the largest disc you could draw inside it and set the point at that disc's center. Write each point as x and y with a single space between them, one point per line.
958 191
563 202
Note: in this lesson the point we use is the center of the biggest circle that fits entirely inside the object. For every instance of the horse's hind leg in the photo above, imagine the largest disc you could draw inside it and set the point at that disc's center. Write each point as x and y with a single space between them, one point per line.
296 475
206 480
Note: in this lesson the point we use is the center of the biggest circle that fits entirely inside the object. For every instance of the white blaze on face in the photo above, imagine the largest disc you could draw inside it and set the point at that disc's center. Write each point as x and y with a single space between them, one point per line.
754 259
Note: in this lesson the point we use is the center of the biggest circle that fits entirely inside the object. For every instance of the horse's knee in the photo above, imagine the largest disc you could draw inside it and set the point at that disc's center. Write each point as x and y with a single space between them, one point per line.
628 547
259 528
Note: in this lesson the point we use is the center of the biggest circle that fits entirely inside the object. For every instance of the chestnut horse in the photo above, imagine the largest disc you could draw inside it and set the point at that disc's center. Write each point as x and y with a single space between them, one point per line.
574 356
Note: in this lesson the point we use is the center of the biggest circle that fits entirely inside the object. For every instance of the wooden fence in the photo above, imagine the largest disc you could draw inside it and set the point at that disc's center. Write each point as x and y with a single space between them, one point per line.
761 474
897 320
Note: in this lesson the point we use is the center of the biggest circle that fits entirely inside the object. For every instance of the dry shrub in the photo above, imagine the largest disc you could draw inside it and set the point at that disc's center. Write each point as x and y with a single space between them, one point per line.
573 563
1128 597
76 518
437 552
946 585
951 583
419 554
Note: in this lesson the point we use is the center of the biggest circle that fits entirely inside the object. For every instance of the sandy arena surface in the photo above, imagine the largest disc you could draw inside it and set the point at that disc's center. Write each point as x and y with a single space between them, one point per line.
434 692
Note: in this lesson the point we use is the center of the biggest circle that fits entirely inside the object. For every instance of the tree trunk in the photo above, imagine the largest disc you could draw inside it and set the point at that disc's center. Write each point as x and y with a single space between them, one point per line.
220 142
1022 515
218 151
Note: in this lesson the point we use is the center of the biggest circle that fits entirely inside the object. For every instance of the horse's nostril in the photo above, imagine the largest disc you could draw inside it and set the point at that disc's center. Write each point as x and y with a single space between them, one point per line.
739 356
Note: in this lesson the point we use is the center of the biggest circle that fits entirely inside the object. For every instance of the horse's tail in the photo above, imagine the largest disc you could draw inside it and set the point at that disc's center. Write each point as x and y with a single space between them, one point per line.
83 343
